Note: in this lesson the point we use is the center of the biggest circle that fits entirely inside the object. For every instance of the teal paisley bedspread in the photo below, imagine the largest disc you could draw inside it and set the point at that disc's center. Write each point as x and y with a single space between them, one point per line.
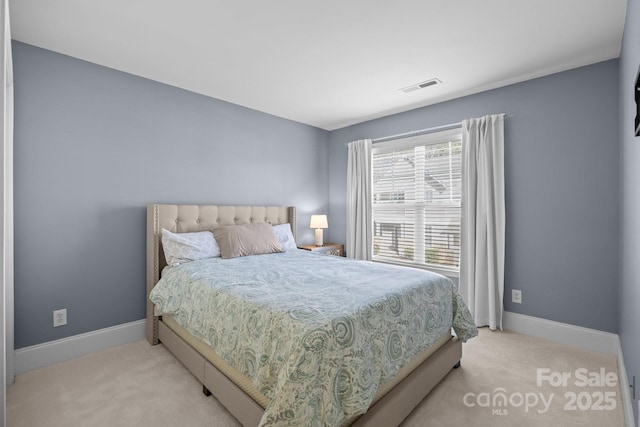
316 334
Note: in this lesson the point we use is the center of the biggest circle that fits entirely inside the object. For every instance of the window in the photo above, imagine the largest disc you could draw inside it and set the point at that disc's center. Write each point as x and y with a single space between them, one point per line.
417 188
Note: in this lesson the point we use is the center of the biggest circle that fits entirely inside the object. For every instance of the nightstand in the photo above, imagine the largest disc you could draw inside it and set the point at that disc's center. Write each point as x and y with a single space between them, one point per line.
336 249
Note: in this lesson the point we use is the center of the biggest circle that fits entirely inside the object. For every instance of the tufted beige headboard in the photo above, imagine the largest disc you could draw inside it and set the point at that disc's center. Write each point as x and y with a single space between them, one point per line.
189 218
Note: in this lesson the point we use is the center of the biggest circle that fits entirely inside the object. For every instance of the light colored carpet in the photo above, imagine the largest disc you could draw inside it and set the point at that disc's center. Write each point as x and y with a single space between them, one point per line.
140 385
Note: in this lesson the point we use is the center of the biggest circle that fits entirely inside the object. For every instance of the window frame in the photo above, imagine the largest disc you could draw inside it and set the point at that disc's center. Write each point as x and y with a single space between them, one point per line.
413 141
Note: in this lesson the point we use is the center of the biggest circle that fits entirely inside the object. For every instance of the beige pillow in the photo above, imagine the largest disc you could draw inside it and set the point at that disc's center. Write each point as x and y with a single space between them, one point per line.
246 239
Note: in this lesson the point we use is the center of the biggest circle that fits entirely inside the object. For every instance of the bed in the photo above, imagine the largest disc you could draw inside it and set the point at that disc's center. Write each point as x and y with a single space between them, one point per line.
278 381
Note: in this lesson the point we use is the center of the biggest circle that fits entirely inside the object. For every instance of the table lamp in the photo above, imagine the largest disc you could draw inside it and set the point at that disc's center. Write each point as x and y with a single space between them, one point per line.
319 222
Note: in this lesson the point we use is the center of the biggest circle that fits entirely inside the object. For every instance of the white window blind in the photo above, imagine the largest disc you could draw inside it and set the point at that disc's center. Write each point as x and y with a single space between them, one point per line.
417 186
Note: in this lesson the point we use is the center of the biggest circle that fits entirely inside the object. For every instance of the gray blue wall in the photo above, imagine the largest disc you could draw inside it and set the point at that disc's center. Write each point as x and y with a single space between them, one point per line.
629 314
94 146
562 181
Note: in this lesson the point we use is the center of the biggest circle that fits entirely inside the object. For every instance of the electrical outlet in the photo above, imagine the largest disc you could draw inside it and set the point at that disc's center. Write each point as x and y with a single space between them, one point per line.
516 296
59 317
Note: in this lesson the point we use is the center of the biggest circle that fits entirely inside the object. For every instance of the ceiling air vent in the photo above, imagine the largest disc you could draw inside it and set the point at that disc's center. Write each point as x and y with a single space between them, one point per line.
422 85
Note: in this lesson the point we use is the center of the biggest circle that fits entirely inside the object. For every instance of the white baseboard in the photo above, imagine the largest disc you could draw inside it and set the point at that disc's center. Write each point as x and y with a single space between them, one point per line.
41 355
577 336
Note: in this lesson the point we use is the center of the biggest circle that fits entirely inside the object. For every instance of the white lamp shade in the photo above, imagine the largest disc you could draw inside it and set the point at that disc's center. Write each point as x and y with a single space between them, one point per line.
319 221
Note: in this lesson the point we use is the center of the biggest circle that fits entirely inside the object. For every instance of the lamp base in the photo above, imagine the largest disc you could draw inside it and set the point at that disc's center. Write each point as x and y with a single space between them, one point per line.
319 241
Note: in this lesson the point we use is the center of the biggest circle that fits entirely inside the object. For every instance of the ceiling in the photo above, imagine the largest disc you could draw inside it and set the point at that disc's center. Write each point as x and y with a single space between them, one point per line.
330 63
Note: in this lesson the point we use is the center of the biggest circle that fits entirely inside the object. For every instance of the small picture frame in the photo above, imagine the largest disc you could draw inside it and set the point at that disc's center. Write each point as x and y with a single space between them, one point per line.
637 97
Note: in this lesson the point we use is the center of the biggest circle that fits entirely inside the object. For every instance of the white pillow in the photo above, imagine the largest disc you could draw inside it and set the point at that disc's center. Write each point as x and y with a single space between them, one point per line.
184 247
285 236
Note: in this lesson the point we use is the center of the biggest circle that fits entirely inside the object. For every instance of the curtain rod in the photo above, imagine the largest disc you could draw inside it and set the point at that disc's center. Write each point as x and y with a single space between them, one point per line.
425 131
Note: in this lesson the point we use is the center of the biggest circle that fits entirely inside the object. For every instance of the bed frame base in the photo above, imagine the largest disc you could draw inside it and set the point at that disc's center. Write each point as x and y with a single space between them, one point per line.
398 403
390 410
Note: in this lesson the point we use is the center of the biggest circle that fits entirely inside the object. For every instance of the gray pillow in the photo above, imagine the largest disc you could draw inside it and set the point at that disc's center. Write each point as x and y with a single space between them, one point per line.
246 239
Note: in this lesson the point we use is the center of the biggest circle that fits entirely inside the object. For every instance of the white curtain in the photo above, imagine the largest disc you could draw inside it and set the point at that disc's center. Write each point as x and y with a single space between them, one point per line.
483 219
359 234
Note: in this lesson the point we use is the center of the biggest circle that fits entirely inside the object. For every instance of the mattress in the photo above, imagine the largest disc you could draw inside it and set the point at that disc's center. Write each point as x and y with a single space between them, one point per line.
317 335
